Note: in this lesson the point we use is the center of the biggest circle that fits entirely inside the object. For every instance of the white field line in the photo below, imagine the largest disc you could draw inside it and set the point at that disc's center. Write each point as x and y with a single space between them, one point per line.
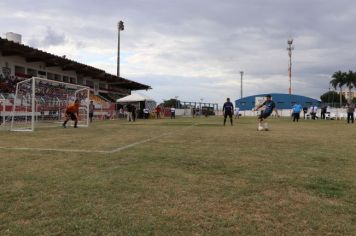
119 149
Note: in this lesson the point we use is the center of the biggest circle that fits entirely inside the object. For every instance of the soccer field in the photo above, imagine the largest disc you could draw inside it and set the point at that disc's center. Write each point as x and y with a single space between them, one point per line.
180 177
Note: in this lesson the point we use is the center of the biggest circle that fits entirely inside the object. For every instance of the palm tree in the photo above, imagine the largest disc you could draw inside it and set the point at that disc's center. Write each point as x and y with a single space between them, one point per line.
350 82
338 81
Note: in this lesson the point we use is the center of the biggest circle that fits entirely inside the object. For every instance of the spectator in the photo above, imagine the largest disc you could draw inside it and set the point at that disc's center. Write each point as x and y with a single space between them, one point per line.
305 111
158 112
129 108
145 113
350 112
173 112
121 112
323 112
237 112
91 111
313 111
296 109
134 113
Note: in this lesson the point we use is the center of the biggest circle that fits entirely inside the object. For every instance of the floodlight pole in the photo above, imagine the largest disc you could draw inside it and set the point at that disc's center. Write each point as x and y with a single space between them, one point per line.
120 27
242 73
289 49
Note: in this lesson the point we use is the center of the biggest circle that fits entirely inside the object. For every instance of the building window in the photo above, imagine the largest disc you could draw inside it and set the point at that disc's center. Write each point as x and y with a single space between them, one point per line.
50 76
43 73
65 79
31 72
72 80
57 77
102 86
80 81
90 83
20 70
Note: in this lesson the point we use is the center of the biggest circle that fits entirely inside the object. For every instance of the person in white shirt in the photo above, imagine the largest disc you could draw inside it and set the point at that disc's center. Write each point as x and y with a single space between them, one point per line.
173 113
237 112
313 111
145 113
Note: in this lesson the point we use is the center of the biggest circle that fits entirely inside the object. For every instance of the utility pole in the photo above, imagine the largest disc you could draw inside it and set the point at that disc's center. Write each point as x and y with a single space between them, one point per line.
242 73
120 27
289 49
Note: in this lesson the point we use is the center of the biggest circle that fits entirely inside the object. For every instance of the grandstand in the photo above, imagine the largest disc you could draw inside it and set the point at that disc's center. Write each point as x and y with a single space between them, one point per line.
19 62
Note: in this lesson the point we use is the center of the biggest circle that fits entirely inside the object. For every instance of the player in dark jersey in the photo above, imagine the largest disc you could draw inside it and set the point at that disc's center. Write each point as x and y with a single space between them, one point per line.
270 106
228 110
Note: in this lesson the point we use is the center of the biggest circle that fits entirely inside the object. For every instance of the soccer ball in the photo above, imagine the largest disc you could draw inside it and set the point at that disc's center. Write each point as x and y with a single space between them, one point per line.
260 128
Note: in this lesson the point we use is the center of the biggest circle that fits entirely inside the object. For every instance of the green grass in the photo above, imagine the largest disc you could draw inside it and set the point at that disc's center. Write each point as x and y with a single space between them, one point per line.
195 178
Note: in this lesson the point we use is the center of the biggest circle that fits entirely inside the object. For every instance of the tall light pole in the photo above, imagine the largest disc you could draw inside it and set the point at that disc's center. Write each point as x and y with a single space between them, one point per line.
120 27
242 73
289 49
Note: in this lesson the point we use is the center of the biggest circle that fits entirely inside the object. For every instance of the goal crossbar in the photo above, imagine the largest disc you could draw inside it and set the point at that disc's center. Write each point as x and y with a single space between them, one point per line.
39 100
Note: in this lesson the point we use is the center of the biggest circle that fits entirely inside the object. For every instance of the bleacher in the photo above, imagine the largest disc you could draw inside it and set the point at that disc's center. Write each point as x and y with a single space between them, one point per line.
97 99
107 97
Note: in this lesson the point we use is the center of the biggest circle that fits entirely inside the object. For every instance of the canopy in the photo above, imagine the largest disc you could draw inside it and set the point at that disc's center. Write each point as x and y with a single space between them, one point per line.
134 98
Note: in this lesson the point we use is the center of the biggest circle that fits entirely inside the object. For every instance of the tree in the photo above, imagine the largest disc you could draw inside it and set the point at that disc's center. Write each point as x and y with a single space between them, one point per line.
171 102
338 81
331 97
350 82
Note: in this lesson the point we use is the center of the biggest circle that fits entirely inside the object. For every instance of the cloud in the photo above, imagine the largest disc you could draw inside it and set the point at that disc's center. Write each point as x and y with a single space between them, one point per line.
50 38
196 49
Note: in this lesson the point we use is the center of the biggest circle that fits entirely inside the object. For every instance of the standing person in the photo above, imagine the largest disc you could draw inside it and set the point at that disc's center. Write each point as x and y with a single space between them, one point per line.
313 111
145 113
237 112
91 111
350 112
72 112
296 109
1 120
134 113
270 106
129 108
158 112
305 111
228 107
323 112
173 112
121 113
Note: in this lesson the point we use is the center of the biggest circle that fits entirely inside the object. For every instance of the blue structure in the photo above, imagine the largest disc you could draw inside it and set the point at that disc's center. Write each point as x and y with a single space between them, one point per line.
282 100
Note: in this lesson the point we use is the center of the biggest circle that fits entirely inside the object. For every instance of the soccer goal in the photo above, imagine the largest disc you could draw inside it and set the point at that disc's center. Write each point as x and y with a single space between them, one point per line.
41 102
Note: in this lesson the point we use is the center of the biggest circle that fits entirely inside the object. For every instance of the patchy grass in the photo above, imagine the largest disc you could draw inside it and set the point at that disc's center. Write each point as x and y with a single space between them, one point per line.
197 177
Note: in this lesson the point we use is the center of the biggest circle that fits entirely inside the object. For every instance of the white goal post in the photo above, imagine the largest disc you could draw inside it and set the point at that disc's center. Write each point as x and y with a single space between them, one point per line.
41 102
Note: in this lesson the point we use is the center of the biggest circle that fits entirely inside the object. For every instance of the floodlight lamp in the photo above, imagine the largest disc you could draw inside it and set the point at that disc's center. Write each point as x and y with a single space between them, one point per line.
120 25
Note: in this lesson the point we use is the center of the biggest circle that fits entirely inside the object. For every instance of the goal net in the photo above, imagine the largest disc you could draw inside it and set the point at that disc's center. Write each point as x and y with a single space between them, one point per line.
41 102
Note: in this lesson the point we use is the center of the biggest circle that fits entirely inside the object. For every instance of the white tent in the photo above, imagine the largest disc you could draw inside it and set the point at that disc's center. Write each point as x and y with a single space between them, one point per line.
134 98
140 100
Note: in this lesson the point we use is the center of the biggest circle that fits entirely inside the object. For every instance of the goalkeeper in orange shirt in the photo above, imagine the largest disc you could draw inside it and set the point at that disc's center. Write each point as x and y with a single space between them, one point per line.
72 112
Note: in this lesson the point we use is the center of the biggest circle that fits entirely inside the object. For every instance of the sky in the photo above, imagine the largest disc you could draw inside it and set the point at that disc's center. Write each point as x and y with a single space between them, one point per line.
195 49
